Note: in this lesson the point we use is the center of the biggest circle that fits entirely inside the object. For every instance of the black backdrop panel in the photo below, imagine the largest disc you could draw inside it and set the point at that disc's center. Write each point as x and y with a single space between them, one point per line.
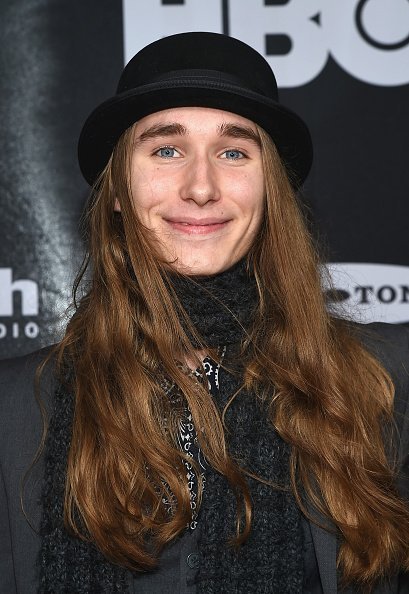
359 185
58 59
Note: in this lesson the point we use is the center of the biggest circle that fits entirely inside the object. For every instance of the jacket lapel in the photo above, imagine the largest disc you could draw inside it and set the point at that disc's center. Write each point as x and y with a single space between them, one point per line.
325 544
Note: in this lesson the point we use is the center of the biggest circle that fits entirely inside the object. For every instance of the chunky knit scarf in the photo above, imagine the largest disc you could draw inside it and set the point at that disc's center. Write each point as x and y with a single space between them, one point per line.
220 307
271 560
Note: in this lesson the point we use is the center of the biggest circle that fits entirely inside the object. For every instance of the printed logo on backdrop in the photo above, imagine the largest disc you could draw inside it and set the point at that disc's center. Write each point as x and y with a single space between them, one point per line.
369 39
19 303
369 292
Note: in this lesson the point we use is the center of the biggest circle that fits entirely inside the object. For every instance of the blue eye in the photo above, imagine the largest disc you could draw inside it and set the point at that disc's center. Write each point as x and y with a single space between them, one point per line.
167 152
233 154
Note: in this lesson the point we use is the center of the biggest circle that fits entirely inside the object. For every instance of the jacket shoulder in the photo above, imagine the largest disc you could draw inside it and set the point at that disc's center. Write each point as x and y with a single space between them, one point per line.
19 372
389 343
23 363
19 407
21 473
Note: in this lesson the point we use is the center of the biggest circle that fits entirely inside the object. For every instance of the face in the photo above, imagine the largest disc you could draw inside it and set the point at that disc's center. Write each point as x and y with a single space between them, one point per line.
197 183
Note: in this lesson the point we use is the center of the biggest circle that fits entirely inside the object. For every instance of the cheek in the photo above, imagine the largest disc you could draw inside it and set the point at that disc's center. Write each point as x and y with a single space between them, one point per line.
252 197
148 186
259 195
143 193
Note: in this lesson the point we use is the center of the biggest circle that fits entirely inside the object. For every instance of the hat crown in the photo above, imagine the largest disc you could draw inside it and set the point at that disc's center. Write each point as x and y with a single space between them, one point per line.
200 54
197 69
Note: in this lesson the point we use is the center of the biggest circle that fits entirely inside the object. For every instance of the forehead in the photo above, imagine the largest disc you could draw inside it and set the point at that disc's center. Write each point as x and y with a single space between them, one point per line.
193 118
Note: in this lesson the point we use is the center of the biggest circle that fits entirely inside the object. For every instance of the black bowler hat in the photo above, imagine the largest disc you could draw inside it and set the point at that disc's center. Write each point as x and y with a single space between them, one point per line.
196 70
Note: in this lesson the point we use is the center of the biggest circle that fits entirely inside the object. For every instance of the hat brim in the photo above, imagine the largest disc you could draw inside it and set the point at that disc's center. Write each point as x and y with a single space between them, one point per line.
107 122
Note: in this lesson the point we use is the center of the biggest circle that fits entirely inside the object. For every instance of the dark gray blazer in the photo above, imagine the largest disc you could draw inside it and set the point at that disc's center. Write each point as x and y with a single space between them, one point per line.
20 434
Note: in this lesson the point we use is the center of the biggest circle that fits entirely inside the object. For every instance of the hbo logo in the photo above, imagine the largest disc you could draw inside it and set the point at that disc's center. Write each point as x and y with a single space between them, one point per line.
369 39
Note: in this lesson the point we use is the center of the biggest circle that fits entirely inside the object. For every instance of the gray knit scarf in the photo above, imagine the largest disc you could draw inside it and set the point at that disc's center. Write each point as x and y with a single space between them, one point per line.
271 560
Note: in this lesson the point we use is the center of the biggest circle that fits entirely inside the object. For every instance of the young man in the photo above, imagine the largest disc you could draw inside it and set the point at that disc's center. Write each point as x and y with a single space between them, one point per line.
211 427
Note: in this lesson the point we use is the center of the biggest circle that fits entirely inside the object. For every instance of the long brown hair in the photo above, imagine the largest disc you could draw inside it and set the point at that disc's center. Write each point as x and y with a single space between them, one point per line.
329 398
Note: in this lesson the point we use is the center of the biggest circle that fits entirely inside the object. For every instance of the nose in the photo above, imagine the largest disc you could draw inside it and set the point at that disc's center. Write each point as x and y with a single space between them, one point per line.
200 182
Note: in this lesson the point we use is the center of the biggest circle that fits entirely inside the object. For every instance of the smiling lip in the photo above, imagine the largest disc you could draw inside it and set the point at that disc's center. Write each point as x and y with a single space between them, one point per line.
192 226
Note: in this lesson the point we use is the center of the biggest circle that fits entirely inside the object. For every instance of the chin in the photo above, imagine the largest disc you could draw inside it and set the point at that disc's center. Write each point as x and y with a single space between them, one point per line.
203 267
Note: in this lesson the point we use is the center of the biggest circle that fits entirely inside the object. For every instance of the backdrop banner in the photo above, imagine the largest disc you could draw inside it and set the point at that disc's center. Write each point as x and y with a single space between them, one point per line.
343 66
58 60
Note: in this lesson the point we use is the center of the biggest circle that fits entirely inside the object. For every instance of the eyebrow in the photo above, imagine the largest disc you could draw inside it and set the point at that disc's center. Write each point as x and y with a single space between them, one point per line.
176 129
158 130
238 131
